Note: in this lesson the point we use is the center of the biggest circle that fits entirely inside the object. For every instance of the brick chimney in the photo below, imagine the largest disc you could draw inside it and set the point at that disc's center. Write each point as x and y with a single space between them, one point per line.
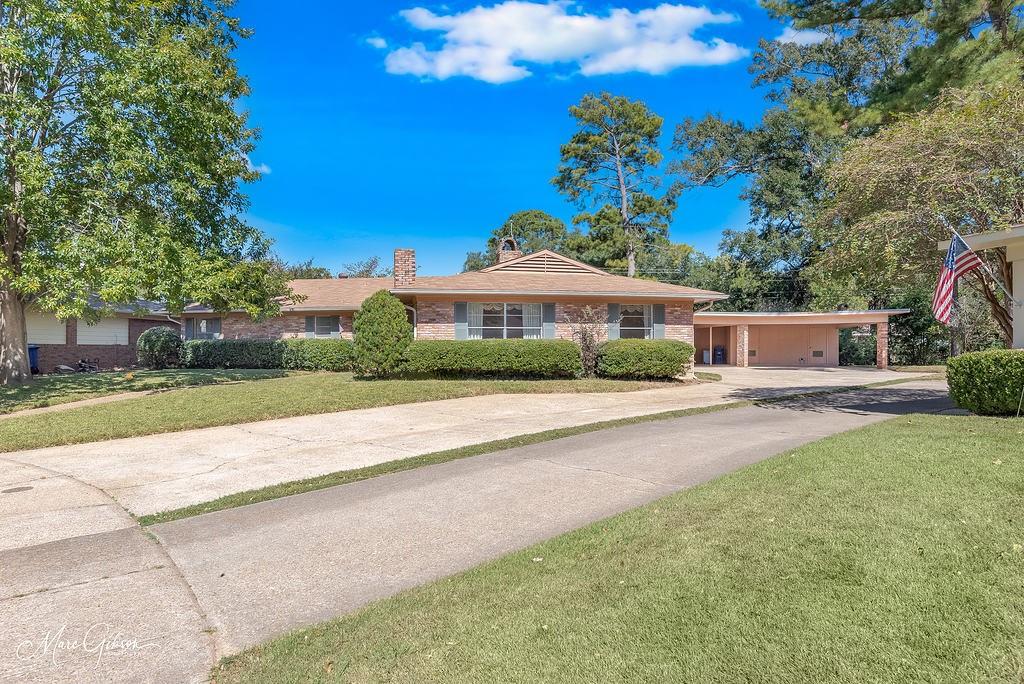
508 250
405 267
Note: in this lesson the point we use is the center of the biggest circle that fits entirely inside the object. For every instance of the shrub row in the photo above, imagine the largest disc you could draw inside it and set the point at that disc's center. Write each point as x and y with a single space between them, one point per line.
514 358
988 383
298 354
643 359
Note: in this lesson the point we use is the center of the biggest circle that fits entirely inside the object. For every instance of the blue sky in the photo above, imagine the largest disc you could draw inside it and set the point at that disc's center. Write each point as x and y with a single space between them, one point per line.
403 124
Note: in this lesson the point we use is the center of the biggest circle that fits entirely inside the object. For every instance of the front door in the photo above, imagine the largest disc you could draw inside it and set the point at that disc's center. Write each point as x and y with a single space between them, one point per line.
817 352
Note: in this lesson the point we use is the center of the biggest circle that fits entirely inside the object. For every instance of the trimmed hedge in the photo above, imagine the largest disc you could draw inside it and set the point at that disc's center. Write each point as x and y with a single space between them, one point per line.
318 355
298 354
233 354
643 359
489 358
159 347
988 383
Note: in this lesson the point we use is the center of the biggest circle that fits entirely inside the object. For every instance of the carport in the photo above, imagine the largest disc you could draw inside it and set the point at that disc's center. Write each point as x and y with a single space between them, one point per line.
790 338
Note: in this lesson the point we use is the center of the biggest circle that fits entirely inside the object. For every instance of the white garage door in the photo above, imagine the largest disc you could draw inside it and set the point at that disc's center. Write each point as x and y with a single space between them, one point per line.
107 331
45 328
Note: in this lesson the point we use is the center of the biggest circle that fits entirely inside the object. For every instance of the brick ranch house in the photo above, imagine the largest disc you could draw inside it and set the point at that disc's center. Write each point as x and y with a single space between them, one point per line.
110 342
535 296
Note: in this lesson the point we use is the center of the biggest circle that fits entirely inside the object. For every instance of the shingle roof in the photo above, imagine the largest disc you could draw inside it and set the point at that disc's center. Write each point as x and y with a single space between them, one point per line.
554 284
543 273
326 294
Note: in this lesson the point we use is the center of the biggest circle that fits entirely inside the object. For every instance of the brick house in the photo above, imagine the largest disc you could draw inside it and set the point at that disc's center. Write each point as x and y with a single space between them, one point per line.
536 296
110 342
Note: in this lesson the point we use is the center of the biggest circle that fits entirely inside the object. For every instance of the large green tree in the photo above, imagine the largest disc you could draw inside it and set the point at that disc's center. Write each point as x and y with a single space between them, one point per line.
958 166
867 62
610 164
533 231
817 93
124 151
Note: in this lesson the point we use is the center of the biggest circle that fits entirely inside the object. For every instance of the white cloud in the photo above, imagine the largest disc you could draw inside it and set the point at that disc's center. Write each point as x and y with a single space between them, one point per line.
261 169
377 42
497 44
805 37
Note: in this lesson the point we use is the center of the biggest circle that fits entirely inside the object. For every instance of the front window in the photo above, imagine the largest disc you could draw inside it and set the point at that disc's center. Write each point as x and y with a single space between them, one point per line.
504 321
202 329
323 326
635 322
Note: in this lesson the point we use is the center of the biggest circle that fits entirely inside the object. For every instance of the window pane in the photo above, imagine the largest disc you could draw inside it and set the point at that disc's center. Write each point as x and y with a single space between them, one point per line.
492 333
514 333
632 316
476 333
531 315
493 315
632 333
532 333
213 325
514 313
476 315
326 325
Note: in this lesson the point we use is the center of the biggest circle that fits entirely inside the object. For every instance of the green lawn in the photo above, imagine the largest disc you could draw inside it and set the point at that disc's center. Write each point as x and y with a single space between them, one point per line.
49 390
888 554
229 404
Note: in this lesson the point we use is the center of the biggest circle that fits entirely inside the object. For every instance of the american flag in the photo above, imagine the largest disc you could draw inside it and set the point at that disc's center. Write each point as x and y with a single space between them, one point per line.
960 260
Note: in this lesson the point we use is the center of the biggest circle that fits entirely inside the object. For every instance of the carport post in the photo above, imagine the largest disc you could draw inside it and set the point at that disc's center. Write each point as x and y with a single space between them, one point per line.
882 344
742 345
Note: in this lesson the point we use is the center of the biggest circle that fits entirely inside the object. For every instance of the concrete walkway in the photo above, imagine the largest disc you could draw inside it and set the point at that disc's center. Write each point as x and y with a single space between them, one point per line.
261 570
162 472
87 596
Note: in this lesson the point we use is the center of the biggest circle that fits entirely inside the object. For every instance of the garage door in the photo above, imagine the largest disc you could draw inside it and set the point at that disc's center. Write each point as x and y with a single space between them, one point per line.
106 331
792 345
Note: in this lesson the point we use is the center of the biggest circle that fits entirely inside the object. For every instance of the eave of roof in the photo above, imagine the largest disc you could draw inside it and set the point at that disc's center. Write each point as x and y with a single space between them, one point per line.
695 295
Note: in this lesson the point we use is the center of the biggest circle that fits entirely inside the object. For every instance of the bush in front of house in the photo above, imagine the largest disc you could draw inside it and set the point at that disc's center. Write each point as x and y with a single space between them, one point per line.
382 334
988 383
318 355
494 358
644 359
233 354
159 347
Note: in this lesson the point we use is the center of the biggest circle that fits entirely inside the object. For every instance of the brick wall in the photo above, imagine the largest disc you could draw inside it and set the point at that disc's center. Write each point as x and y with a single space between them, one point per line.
236 326
679 321
742 357
575 312
435 319
882 345
106 356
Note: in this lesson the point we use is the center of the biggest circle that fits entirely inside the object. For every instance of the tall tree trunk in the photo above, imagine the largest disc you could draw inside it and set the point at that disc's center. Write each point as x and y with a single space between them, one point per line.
14 366
624 211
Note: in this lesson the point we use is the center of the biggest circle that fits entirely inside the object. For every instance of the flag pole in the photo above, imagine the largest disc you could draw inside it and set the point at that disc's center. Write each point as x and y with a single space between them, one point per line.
995 279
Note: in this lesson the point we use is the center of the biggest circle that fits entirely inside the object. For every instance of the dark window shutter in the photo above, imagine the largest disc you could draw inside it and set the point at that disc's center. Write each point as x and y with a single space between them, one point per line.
548 318
461 321
310 326
190 328
613 321
658 322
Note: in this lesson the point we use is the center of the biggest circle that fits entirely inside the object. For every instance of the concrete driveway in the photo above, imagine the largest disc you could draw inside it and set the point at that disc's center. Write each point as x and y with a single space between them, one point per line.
261 570
87 596
163 472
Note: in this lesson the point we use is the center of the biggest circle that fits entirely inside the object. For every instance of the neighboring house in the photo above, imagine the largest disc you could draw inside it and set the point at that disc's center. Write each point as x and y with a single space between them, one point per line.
536 296
110 342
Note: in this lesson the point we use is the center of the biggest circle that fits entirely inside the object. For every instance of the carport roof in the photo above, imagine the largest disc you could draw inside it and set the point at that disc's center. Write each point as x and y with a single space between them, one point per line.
846 318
